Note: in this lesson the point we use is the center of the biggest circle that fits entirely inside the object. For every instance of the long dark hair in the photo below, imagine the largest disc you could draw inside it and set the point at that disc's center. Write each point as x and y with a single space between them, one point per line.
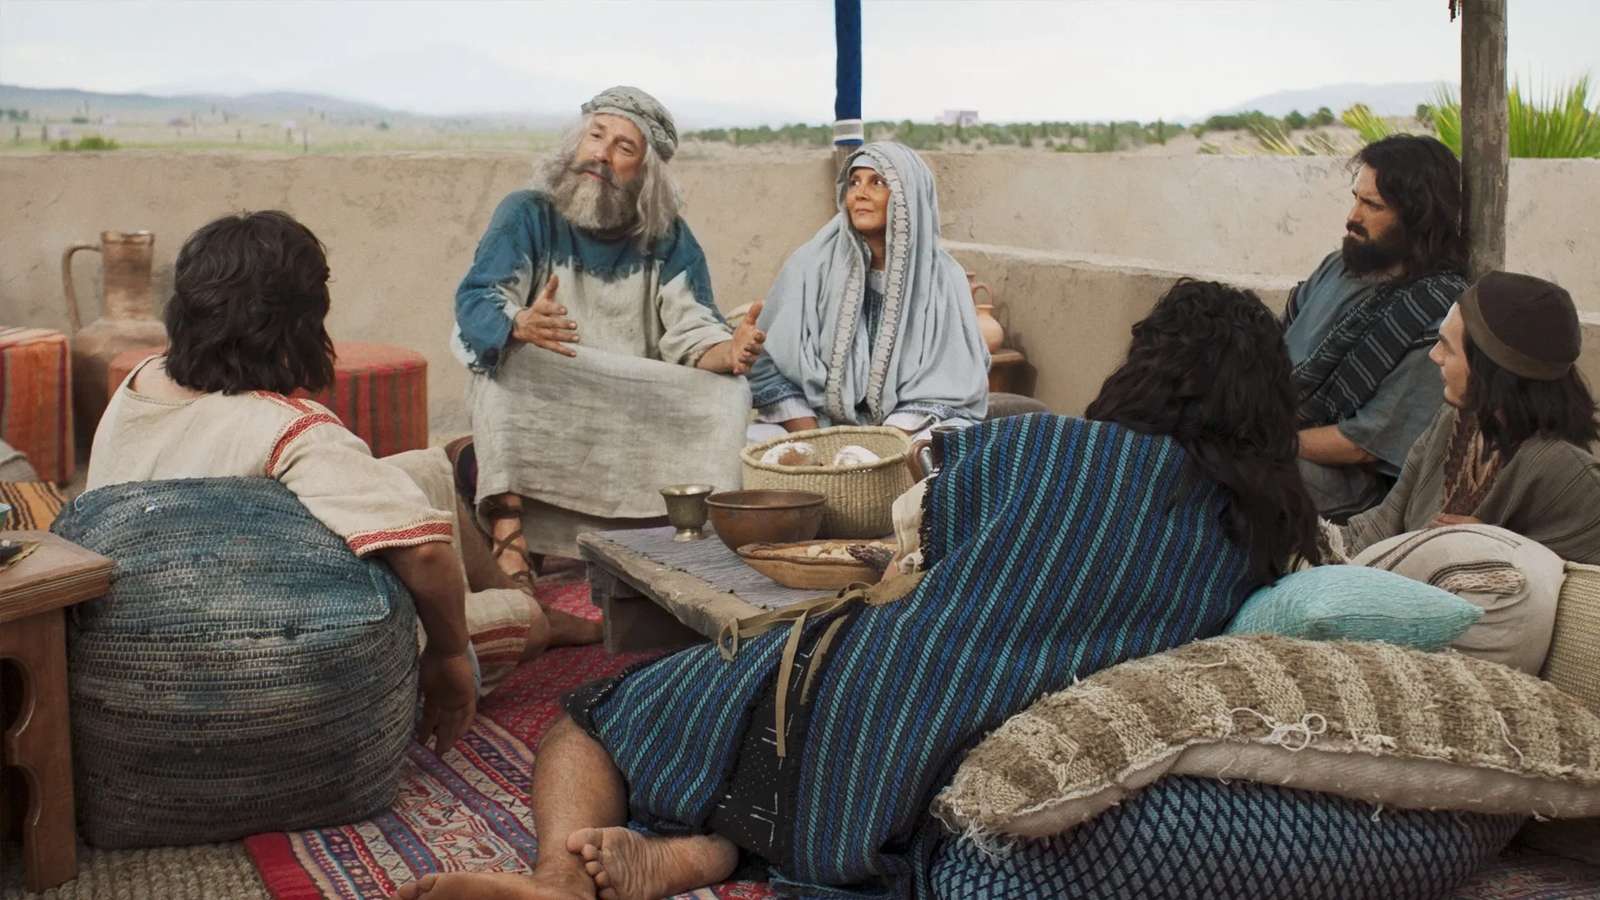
1510 409
1421 179
1208 367
247 307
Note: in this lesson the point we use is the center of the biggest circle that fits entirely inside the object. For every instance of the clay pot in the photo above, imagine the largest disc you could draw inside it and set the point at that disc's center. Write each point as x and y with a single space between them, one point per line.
994 335
128 321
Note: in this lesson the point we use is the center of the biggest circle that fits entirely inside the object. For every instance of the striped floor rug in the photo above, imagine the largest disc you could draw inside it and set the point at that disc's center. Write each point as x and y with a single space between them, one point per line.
465 811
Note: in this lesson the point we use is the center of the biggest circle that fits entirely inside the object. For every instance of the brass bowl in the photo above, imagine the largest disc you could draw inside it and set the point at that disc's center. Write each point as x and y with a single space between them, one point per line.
765 517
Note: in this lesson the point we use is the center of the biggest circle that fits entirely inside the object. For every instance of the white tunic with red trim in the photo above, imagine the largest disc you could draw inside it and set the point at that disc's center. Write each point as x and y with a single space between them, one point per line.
368 502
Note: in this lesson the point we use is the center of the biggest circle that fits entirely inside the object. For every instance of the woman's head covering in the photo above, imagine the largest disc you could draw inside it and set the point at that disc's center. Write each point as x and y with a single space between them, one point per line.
929 356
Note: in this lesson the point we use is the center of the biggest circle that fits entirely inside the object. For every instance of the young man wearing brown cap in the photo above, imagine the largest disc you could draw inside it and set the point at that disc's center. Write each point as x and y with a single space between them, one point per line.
1511 445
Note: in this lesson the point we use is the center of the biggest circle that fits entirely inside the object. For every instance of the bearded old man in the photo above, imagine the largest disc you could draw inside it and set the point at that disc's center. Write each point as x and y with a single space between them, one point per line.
588 324
1360 328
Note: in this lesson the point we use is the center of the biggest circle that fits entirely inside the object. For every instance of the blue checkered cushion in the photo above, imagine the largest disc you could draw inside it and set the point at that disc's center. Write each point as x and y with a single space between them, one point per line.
1183 838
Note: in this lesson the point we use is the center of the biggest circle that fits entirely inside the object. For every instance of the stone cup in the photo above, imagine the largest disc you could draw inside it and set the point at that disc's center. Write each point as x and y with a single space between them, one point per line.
686 509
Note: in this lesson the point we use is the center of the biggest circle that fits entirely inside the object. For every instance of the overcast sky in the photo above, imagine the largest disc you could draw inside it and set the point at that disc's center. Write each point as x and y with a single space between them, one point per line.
772 60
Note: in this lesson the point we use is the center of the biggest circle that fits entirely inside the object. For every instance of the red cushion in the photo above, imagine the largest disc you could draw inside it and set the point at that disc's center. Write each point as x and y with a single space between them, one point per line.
379 392
36 399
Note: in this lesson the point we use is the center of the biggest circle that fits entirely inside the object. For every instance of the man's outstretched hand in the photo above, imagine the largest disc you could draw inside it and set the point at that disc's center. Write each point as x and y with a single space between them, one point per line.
544 323
736 355
747 341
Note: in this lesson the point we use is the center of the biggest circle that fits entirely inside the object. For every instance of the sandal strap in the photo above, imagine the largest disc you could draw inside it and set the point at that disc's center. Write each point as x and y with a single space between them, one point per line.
524 579
501 545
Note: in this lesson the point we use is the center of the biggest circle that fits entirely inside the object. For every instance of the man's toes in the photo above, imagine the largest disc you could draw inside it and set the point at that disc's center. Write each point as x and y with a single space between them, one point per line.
602 879
592 867
591 852
577 839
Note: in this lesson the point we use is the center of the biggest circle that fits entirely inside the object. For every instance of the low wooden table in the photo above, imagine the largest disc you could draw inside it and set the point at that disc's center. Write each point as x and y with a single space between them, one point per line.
33 595
656 594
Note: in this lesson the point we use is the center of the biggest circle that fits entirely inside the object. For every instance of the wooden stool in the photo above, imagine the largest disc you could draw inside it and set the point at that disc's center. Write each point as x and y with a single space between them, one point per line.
1009 372
379 392
33 594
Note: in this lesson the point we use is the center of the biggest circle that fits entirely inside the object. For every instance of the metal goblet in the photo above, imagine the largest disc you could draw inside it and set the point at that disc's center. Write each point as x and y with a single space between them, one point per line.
686 509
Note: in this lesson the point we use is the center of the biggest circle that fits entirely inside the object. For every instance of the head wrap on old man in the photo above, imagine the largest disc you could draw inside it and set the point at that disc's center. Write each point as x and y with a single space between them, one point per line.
643 110
1527 325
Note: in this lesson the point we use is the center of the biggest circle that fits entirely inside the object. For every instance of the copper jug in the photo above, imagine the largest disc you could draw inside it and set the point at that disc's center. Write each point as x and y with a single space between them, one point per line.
127 321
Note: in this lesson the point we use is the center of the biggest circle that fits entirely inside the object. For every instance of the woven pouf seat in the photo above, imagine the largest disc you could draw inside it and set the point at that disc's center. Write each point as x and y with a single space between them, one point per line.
379 392
247 673
36 399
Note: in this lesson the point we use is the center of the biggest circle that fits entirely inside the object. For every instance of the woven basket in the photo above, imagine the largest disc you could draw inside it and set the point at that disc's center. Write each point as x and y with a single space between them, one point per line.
860 498
247 672
1574 666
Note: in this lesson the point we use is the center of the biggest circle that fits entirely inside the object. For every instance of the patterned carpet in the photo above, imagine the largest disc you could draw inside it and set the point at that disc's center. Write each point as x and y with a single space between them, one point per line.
466 811
469 811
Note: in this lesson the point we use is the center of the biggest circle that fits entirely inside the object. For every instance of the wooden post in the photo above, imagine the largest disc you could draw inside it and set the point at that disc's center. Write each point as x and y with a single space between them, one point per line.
1484 142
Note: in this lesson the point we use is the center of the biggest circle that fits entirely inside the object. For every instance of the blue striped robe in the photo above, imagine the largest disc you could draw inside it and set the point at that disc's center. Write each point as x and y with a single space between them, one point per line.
1056 547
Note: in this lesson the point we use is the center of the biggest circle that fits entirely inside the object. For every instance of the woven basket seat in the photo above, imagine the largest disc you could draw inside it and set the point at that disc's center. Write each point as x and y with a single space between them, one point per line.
247 673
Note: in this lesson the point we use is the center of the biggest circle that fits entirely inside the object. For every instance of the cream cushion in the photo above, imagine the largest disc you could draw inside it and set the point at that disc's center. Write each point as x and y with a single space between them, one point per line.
1368 720
1514 580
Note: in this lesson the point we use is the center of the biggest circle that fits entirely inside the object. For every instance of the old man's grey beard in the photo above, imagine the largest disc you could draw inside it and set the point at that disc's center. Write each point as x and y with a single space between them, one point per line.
594 205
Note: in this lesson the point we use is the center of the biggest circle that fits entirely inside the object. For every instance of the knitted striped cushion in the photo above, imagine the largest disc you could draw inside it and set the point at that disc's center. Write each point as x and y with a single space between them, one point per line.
1367 720
247 673
1183 838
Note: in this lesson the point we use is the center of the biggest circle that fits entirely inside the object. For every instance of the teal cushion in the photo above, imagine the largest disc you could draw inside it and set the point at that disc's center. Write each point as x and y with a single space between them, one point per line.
1356 603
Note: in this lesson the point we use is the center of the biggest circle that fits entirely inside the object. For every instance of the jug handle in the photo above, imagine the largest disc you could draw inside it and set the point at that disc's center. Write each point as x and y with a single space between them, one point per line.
920 460
980 286
66 283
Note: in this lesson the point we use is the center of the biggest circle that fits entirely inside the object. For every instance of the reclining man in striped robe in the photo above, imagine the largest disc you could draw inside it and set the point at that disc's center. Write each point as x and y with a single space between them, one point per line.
1360 328
1053 547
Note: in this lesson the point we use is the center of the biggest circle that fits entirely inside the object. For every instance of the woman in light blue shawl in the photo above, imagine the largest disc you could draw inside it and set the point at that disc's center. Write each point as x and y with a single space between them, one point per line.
870 322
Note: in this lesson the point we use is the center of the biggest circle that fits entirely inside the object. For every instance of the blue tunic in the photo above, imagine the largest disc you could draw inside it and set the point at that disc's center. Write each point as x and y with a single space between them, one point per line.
1056 547
652 301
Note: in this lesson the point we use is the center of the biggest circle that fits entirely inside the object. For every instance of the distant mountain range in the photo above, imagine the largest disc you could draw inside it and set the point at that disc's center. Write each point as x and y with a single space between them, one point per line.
57 103
1394 99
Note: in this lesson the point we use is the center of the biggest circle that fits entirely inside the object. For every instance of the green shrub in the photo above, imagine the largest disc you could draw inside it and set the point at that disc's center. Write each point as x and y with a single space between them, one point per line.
92 142
1560 124
1367 124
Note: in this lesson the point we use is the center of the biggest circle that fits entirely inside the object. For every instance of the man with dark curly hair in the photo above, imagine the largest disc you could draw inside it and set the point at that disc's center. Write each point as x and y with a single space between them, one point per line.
1054 547
246 333
1360 327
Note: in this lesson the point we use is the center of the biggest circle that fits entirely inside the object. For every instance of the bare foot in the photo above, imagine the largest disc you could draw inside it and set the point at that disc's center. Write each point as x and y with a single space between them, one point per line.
627 865
496 886
568 630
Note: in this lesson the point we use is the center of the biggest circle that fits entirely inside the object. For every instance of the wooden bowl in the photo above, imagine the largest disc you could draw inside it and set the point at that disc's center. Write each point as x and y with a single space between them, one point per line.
791 566
765 517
